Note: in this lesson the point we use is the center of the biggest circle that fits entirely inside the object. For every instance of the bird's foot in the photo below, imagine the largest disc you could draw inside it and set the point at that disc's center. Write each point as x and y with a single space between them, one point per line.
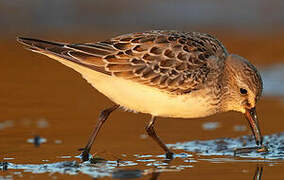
250 149
262 149
169 155
85 154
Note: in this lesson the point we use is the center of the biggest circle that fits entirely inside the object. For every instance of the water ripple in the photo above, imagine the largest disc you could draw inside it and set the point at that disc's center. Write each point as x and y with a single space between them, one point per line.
227 146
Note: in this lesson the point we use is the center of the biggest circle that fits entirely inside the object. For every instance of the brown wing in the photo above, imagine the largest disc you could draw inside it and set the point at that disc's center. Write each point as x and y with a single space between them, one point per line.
169 60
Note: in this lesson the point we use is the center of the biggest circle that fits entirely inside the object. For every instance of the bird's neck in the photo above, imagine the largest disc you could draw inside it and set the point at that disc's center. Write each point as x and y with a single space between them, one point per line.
227 86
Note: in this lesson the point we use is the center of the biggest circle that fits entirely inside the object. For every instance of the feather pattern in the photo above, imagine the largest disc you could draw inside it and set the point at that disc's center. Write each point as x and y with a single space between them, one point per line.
172 61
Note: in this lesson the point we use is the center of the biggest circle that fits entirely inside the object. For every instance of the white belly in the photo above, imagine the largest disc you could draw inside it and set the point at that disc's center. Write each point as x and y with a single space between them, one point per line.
142 98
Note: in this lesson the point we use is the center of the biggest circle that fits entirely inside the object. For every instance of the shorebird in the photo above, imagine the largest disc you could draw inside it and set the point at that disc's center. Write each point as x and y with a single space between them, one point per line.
164 74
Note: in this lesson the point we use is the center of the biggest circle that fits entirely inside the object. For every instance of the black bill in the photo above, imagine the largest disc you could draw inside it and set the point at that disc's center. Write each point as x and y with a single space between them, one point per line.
253 122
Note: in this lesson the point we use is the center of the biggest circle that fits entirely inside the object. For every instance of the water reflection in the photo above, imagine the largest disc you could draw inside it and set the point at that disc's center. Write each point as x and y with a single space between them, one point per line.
134 173
127 174
74 168
217 151
130 169
154 174
258 172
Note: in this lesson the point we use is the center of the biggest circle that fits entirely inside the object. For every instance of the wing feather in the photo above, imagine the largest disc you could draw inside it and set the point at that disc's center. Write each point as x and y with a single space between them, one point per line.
169 60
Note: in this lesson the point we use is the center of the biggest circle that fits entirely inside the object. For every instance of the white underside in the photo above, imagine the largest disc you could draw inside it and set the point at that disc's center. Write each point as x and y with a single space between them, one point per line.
142 98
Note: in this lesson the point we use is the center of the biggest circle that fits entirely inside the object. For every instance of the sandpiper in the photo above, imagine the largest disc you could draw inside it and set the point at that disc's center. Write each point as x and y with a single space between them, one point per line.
164 74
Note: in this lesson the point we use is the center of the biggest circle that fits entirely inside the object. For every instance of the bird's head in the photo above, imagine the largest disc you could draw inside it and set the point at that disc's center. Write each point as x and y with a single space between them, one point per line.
242 90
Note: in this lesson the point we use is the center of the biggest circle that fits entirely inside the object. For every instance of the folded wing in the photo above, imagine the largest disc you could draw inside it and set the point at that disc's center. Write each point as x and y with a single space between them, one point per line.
168 60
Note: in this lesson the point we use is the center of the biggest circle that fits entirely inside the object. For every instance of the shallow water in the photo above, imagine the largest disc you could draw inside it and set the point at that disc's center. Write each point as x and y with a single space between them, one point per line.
219 151
41 141
227 147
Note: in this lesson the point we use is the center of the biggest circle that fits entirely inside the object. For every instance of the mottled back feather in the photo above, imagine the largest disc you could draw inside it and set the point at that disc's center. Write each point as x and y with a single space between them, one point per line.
173 61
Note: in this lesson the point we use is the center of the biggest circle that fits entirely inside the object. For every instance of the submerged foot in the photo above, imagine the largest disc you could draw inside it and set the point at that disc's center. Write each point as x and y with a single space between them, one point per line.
250 149
84 155
169 155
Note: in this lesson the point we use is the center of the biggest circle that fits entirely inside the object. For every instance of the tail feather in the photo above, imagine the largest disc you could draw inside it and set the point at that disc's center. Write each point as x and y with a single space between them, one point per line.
61 52
37 43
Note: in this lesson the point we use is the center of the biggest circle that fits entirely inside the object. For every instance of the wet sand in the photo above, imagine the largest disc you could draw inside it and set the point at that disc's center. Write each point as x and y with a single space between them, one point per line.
42 97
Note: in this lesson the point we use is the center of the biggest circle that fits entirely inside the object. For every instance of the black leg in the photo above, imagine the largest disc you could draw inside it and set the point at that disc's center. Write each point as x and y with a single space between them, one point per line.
102 118
151 132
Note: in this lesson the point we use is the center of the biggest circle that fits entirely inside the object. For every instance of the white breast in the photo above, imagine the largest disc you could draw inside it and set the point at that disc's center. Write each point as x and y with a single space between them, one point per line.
142 98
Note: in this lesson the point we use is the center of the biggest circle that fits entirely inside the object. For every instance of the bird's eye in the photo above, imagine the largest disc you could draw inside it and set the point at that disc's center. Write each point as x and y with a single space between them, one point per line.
243 91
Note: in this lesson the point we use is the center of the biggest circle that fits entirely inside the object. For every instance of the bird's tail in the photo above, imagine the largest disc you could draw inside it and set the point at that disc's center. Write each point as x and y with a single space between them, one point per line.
63 52
40 46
